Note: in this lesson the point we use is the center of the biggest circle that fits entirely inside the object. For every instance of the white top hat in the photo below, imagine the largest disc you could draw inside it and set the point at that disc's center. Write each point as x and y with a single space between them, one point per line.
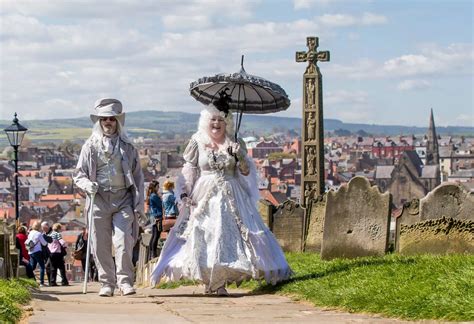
108 108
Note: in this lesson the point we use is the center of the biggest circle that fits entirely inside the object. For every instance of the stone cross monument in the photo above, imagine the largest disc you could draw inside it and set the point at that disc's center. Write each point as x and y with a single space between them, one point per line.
312 169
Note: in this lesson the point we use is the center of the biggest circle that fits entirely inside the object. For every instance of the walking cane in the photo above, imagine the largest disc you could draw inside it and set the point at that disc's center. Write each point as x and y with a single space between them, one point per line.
89 231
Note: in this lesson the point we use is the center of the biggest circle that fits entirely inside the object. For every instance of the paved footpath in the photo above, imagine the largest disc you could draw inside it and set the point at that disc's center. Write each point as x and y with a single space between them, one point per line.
181 305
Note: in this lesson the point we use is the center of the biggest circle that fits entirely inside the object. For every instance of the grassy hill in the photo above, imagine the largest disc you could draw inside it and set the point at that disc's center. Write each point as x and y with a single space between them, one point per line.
160 123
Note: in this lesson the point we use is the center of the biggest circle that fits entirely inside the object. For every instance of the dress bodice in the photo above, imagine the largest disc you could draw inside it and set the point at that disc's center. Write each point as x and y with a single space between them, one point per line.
219 162
205 160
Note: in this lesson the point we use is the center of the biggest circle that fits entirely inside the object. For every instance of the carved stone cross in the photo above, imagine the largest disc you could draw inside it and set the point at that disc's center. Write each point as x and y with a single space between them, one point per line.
312 175
312 56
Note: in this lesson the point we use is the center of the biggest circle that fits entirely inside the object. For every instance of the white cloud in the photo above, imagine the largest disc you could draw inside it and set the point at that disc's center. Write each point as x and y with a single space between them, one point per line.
345 20
433 59
123 10
407 85
346 97
369 19
175 22
306 4
455 59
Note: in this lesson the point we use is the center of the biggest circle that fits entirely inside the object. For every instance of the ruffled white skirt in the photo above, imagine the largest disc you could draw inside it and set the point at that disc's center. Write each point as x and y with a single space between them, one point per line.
221 240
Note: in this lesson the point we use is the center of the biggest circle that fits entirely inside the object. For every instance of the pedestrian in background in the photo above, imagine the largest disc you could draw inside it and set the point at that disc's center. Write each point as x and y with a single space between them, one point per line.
155 210
23 255
46 230
36 250
57 249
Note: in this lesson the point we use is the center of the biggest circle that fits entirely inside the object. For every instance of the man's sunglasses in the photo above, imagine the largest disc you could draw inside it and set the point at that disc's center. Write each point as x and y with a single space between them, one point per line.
108 118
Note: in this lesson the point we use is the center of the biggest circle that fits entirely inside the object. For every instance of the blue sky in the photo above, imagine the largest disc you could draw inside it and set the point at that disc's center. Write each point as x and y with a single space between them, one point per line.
391 61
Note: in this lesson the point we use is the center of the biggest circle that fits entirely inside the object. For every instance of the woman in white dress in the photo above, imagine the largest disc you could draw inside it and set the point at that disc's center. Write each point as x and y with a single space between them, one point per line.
220 238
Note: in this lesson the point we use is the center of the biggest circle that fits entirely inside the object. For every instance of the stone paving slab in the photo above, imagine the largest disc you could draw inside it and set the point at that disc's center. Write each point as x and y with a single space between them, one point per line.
180 305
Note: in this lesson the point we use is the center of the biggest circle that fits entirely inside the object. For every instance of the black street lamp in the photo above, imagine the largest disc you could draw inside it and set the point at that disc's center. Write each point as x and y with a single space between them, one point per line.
15 134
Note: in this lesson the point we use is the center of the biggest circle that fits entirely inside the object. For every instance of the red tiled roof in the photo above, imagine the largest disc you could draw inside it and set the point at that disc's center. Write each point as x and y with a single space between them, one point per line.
49 204
56 197
7 212
28 173
266 194
62 178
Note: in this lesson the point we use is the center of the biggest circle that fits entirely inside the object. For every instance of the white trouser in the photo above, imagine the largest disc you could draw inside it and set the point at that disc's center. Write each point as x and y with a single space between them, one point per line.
113 218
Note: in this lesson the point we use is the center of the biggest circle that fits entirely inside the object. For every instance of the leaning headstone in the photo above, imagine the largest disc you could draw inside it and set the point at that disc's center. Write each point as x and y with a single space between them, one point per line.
288 226
314 237
265 208
2 268
356 222
442 222
143 259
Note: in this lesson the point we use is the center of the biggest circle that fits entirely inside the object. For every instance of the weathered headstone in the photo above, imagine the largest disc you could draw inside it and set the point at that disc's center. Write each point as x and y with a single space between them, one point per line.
288 226
442 222
143 259
314 236
356 222
265 208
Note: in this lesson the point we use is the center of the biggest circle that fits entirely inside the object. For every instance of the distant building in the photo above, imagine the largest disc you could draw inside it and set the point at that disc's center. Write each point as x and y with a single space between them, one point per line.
261 149
408 179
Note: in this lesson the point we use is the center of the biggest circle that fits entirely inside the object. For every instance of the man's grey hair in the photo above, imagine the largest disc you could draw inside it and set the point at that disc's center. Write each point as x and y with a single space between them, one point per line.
98 133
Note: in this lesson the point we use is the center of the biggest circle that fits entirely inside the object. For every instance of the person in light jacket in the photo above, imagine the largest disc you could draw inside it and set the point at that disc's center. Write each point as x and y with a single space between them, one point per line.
57 249
109 168
36 251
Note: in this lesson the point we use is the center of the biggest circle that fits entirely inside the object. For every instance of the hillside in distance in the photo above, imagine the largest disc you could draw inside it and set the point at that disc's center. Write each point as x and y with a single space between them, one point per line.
162 122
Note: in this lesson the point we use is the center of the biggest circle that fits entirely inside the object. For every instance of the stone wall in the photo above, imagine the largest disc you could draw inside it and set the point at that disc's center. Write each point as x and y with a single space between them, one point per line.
288 225
442 222
357 221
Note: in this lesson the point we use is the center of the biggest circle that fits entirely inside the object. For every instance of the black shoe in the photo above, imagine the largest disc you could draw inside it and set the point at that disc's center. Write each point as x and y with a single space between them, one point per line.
53 284
65 284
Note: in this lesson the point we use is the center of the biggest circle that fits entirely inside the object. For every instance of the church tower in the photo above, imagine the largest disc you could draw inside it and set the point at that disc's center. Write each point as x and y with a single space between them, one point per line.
432 150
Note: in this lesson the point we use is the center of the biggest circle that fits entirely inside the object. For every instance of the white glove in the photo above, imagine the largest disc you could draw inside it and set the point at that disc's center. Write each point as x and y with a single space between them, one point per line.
91 188
235 149
188 202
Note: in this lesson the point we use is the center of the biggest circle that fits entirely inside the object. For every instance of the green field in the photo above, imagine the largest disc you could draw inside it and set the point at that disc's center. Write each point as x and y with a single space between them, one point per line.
59 135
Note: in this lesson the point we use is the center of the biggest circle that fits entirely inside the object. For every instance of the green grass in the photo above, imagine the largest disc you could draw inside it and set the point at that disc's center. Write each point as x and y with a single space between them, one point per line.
418 287
13 294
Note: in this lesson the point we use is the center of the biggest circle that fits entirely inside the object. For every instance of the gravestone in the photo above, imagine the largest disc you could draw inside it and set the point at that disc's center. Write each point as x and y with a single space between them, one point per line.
143 257
265 209
288 223
356 222
314 236
441 222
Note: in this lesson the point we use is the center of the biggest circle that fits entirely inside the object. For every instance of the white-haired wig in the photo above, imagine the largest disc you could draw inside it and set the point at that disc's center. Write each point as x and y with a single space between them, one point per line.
98 133
205 119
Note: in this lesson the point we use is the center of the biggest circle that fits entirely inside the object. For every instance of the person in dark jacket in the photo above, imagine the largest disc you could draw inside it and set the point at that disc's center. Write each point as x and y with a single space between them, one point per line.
46 254
155 210
81 245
